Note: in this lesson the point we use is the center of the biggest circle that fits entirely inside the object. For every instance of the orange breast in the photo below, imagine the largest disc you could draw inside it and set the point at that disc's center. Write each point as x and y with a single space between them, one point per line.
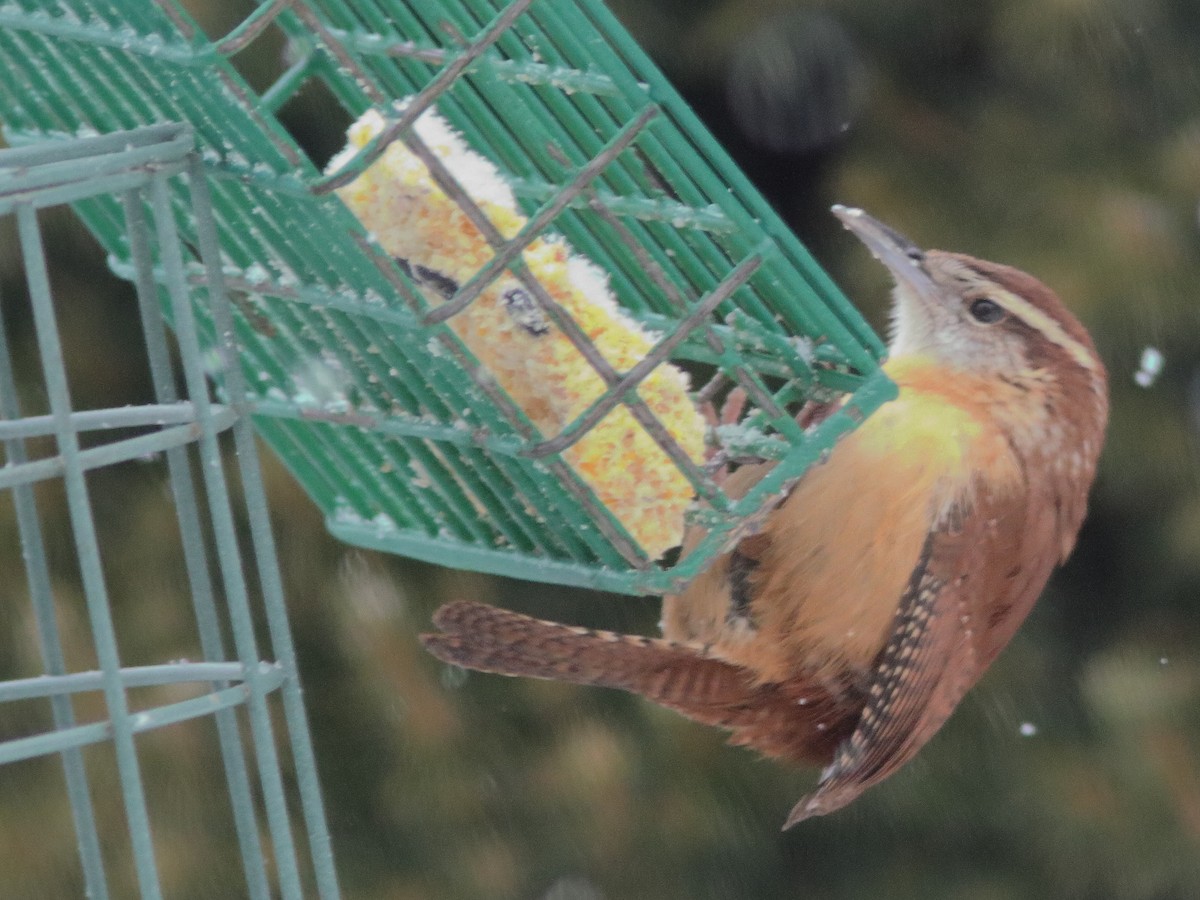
841 549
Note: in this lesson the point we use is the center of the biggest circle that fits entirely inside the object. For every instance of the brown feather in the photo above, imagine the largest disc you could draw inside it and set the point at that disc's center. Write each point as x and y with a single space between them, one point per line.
799 721
947 634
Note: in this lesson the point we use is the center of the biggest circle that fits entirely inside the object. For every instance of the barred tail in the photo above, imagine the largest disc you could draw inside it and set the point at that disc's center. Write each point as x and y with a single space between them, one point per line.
800 720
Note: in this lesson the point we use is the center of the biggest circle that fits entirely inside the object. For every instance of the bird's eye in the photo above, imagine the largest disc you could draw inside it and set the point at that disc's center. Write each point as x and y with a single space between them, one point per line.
989 312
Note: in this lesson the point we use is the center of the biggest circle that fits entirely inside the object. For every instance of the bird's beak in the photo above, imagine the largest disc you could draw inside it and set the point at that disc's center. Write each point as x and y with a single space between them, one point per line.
904 259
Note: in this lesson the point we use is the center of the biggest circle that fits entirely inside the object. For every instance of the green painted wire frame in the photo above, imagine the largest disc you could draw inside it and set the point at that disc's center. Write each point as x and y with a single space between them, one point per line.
357 381
135 170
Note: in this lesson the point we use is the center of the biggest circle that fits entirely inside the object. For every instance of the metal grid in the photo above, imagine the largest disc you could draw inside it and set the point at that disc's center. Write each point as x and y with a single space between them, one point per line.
597 147
134 172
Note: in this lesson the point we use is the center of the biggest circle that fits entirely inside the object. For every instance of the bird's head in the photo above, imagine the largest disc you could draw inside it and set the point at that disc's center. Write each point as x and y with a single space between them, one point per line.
977 317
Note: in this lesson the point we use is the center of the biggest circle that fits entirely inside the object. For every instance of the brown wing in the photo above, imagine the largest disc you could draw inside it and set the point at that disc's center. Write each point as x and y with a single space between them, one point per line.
966 598
800 721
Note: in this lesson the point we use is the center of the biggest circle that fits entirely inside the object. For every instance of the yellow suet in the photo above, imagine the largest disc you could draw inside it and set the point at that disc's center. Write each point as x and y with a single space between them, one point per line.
511 335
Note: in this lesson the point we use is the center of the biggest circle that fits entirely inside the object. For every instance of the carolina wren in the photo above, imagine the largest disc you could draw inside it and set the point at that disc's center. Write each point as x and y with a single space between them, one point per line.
846 630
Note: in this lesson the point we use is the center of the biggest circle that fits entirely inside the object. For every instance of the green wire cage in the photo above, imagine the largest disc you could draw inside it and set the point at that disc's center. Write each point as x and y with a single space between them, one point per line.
232 233
135 170
598 148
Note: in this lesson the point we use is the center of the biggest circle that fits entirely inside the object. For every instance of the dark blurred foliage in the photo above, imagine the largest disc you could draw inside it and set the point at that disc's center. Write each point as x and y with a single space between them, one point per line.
1062 136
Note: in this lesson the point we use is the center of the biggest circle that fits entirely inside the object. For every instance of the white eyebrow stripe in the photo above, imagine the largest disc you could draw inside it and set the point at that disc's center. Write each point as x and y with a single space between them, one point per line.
1045 325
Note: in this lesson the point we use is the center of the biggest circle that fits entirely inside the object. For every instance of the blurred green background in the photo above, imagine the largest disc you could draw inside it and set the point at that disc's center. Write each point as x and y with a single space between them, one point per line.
1061 136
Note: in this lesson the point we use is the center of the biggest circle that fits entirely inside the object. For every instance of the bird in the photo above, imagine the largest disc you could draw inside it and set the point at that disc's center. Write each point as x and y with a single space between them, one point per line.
846 630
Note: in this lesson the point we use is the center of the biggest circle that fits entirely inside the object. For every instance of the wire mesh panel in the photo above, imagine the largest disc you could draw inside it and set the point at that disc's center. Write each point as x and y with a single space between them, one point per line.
361 362
138 178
